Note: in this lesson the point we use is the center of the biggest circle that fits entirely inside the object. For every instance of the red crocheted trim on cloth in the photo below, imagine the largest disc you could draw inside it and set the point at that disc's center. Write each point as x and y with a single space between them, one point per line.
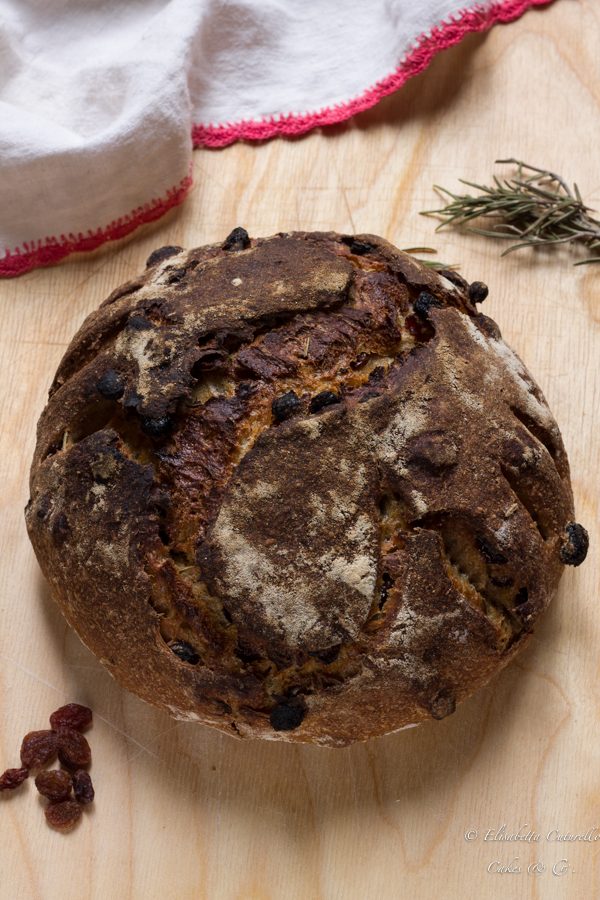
427 46
51 250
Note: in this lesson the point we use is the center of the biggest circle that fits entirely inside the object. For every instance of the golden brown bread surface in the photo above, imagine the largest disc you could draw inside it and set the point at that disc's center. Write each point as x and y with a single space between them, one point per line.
298 488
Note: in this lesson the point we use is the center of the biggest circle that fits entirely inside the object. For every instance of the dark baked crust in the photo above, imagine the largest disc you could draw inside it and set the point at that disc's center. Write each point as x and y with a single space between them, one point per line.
311 570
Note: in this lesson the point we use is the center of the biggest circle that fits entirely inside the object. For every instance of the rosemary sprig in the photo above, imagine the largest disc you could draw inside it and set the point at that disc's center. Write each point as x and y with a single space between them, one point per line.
532 208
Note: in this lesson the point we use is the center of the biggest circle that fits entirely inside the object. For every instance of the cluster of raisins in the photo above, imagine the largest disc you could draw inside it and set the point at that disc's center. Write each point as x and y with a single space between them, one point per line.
69 788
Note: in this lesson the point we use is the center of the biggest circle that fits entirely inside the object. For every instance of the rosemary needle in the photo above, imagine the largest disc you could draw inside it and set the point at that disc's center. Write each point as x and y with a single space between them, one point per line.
532 208
431 263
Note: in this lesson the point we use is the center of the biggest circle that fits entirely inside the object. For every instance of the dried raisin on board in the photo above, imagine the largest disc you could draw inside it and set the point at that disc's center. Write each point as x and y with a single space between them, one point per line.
83 787
73 749
12 778
64 815
72 715
55 785
38 749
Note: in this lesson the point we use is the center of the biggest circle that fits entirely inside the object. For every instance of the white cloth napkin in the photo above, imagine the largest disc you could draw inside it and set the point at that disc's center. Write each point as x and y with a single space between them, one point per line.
102 101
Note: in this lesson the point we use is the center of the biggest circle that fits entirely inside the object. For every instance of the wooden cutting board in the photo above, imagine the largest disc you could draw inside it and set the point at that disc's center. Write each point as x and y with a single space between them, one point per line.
183 812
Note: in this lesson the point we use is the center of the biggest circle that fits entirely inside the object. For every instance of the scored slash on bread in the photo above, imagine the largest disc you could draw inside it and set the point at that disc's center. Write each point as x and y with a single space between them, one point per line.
299 488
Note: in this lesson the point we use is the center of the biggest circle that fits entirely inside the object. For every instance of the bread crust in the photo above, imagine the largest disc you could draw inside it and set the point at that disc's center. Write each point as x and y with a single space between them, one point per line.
298 488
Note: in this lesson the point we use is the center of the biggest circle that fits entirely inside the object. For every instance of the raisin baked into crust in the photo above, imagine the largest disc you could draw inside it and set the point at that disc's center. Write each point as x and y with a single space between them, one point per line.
298 488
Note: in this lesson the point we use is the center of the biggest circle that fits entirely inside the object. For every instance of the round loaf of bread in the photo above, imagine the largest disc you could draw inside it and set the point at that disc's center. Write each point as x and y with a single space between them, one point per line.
298 488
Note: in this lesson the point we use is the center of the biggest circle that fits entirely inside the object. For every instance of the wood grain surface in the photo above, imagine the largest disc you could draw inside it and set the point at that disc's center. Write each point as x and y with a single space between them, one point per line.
183 812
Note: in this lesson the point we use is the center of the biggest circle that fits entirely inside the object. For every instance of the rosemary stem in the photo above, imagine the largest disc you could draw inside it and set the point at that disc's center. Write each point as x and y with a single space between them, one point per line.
534 207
